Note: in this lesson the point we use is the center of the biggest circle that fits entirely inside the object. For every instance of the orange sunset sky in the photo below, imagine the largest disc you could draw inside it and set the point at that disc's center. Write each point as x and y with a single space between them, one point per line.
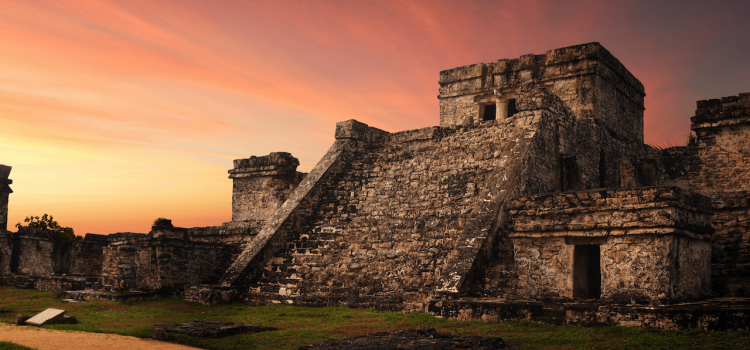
114 113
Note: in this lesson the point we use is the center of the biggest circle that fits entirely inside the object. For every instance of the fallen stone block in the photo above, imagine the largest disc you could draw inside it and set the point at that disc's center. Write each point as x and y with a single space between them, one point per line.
45 317
213 329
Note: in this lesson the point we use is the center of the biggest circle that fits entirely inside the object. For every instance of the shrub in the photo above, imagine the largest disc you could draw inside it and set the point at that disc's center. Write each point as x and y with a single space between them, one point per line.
47 222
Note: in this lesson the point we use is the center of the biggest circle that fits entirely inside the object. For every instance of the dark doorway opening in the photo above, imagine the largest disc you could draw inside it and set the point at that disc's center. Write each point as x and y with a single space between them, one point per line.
512 108
587 275
490 112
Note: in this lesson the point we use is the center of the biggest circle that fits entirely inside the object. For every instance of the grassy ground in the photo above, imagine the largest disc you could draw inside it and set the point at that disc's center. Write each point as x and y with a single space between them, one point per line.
6 345
300 326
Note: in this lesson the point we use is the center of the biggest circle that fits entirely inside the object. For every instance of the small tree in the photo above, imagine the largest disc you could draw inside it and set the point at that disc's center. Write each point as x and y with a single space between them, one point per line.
47 222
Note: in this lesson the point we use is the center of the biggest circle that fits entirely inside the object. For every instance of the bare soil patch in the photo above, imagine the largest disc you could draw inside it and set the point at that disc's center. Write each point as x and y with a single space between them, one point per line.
44 339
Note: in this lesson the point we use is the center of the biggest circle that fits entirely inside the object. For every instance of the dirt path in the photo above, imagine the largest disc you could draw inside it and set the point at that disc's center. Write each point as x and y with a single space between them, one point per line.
44 339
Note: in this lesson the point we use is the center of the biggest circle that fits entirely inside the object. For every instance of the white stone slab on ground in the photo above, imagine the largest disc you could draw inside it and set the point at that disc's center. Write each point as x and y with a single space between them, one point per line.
44 316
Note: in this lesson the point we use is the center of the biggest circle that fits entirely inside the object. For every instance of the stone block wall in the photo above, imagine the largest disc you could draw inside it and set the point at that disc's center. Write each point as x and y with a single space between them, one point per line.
731 246
4 192
722 128
262 184
385 218
654 245
37 252
592 82
165 260
86 256
715 165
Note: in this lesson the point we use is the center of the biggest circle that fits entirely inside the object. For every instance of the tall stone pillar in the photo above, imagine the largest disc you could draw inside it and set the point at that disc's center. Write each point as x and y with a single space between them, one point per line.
262 184
4 192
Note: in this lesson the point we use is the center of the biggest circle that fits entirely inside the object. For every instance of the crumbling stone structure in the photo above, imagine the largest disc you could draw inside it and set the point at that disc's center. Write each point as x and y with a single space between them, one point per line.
4 192
262 184
535 198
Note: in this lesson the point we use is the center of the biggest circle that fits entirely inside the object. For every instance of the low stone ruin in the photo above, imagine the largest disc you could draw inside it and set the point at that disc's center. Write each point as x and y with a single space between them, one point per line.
212 329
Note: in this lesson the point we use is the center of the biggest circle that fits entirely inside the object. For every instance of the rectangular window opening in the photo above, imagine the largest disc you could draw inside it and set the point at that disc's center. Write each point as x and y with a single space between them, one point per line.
490 112
587 275
512 107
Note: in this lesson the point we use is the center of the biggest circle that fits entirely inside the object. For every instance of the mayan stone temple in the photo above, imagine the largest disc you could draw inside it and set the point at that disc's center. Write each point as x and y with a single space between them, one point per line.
535 199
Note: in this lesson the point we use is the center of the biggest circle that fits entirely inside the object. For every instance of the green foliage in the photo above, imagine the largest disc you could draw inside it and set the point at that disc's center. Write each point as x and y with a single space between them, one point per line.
47 222
6 345
299 326
163 222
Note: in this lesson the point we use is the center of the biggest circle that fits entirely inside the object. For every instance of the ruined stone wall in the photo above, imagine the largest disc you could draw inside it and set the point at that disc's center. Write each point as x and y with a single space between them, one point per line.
384 220
646 235
731 245
592 82
262 184
643 268
86 256
723 145
37 252
715 165
233 233
162 261
544 269
6 252
4 192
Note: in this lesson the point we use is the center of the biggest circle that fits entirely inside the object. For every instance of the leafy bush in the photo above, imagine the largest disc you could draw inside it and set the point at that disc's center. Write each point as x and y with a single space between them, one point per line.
47 222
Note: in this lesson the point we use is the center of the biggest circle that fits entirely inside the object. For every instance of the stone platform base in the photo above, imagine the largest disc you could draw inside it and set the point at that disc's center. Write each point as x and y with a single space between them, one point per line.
712 314
116 296
49 283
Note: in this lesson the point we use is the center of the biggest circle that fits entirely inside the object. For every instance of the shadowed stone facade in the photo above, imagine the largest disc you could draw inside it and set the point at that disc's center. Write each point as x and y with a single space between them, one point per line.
535 198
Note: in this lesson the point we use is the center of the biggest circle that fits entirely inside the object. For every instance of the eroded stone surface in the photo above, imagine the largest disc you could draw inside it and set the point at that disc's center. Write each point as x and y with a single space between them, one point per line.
423 338
212 329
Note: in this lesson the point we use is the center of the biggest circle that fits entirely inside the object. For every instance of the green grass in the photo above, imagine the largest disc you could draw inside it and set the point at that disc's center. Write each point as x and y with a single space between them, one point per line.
300 326
6 345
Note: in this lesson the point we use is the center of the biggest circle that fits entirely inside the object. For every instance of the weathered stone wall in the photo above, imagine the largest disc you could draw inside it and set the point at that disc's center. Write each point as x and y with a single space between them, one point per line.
86 256
654 245
715 165
384 219
4 192
731 245
163 261
235 233
592 82
262 184
647 268
37 252
544 269
6 252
